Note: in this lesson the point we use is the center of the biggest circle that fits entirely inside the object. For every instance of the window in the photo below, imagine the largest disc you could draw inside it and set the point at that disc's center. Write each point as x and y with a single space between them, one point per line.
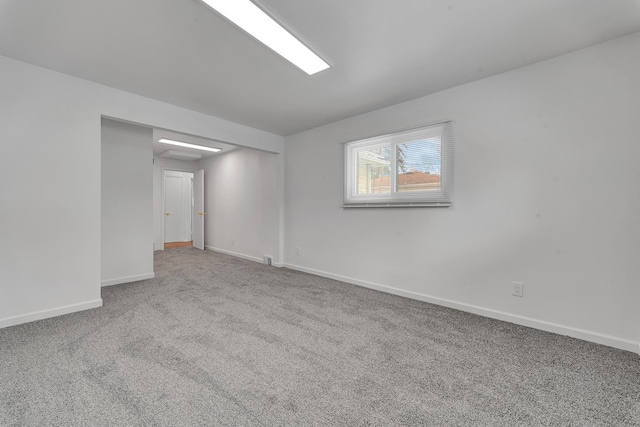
409 168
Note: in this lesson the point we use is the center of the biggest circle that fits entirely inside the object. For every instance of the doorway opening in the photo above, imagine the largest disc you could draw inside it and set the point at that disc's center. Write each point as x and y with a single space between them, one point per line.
183 207
178 209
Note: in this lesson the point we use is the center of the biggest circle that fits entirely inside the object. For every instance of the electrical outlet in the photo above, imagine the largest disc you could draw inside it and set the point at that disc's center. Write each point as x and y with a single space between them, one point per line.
518 289
233 241
298 251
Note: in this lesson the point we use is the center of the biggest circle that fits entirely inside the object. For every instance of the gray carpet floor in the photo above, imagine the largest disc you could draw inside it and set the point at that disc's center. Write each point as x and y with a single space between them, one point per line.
216 340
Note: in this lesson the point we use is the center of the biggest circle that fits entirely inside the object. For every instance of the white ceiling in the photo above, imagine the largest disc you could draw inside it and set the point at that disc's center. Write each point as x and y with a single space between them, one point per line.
382 52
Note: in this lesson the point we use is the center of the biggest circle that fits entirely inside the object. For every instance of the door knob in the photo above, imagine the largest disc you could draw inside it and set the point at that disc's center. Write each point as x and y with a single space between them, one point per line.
202 213
168 214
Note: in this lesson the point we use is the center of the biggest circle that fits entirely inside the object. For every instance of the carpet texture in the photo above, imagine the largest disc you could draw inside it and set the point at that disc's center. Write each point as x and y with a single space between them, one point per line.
216 340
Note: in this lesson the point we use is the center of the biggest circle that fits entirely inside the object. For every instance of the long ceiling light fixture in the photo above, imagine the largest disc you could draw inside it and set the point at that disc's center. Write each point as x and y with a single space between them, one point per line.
246 15
184 144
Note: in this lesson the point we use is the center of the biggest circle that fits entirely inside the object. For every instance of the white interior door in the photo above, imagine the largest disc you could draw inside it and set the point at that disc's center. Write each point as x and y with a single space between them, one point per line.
198 209
178 205
173 208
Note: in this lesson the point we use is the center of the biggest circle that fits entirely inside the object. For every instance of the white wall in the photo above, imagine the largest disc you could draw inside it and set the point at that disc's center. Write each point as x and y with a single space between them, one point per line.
50 256
546 193
159 164
127 203
50 215
242 200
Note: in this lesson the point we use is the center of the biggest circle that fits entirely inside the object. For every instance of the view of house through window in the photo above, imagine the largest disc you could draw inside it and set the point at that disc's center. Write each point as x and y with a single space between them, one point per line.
407 166
374 170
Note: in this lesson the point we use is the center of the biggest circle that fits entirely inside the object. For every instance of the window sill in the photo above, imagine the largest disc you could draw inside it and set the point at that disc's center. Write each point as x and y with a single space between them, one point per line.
398 205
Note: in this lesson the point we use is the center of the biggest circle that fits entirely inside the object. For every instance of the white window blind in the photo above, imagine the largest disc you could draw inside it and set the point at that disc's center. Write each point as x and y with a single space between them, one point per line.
408 168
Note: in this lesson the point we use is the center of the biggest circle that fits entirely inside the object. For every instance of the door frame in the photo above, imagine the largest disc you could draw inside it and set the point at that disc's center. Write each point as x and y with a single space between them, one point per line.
164 204
198 221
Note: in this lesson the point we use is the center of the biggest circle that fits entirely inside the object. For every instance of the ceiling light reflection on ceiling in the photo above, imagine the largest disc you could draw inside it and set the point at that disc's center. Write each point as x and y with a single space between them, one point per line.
186 145
256 22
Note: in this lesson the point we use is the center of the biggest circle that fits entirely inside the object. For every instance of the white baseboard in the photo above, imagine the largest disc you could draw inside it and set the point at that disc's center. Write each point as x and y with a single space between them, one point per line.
235 254
582 334
53 312
243 256
128 279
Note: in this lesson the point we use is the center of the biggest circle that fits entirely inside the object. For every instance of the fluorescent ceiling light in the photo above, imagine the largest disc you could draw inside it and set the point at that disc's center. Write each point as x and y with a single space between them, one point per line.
184 144
256 22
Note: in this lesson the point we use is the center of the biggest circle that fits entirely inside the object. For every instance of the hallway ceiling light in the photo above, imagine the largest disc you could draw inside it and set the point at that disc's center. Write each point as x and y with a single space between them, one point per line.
184 144
256 22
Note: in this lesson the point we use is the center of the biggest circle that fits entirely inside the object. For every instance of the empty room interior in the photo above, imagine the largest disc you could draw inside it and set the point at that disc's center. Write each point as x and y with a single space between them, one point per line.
345 213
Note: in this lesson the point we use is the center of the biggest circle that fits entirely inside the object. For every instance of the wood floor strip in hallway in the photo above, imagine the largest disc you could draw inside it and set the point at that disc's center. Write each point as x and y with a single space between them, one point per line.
172 245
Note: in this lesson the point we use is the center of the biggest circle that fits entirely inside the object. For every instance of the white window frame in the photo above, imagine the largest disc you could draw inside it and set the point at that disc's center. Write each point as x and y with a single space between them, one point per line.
401 199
